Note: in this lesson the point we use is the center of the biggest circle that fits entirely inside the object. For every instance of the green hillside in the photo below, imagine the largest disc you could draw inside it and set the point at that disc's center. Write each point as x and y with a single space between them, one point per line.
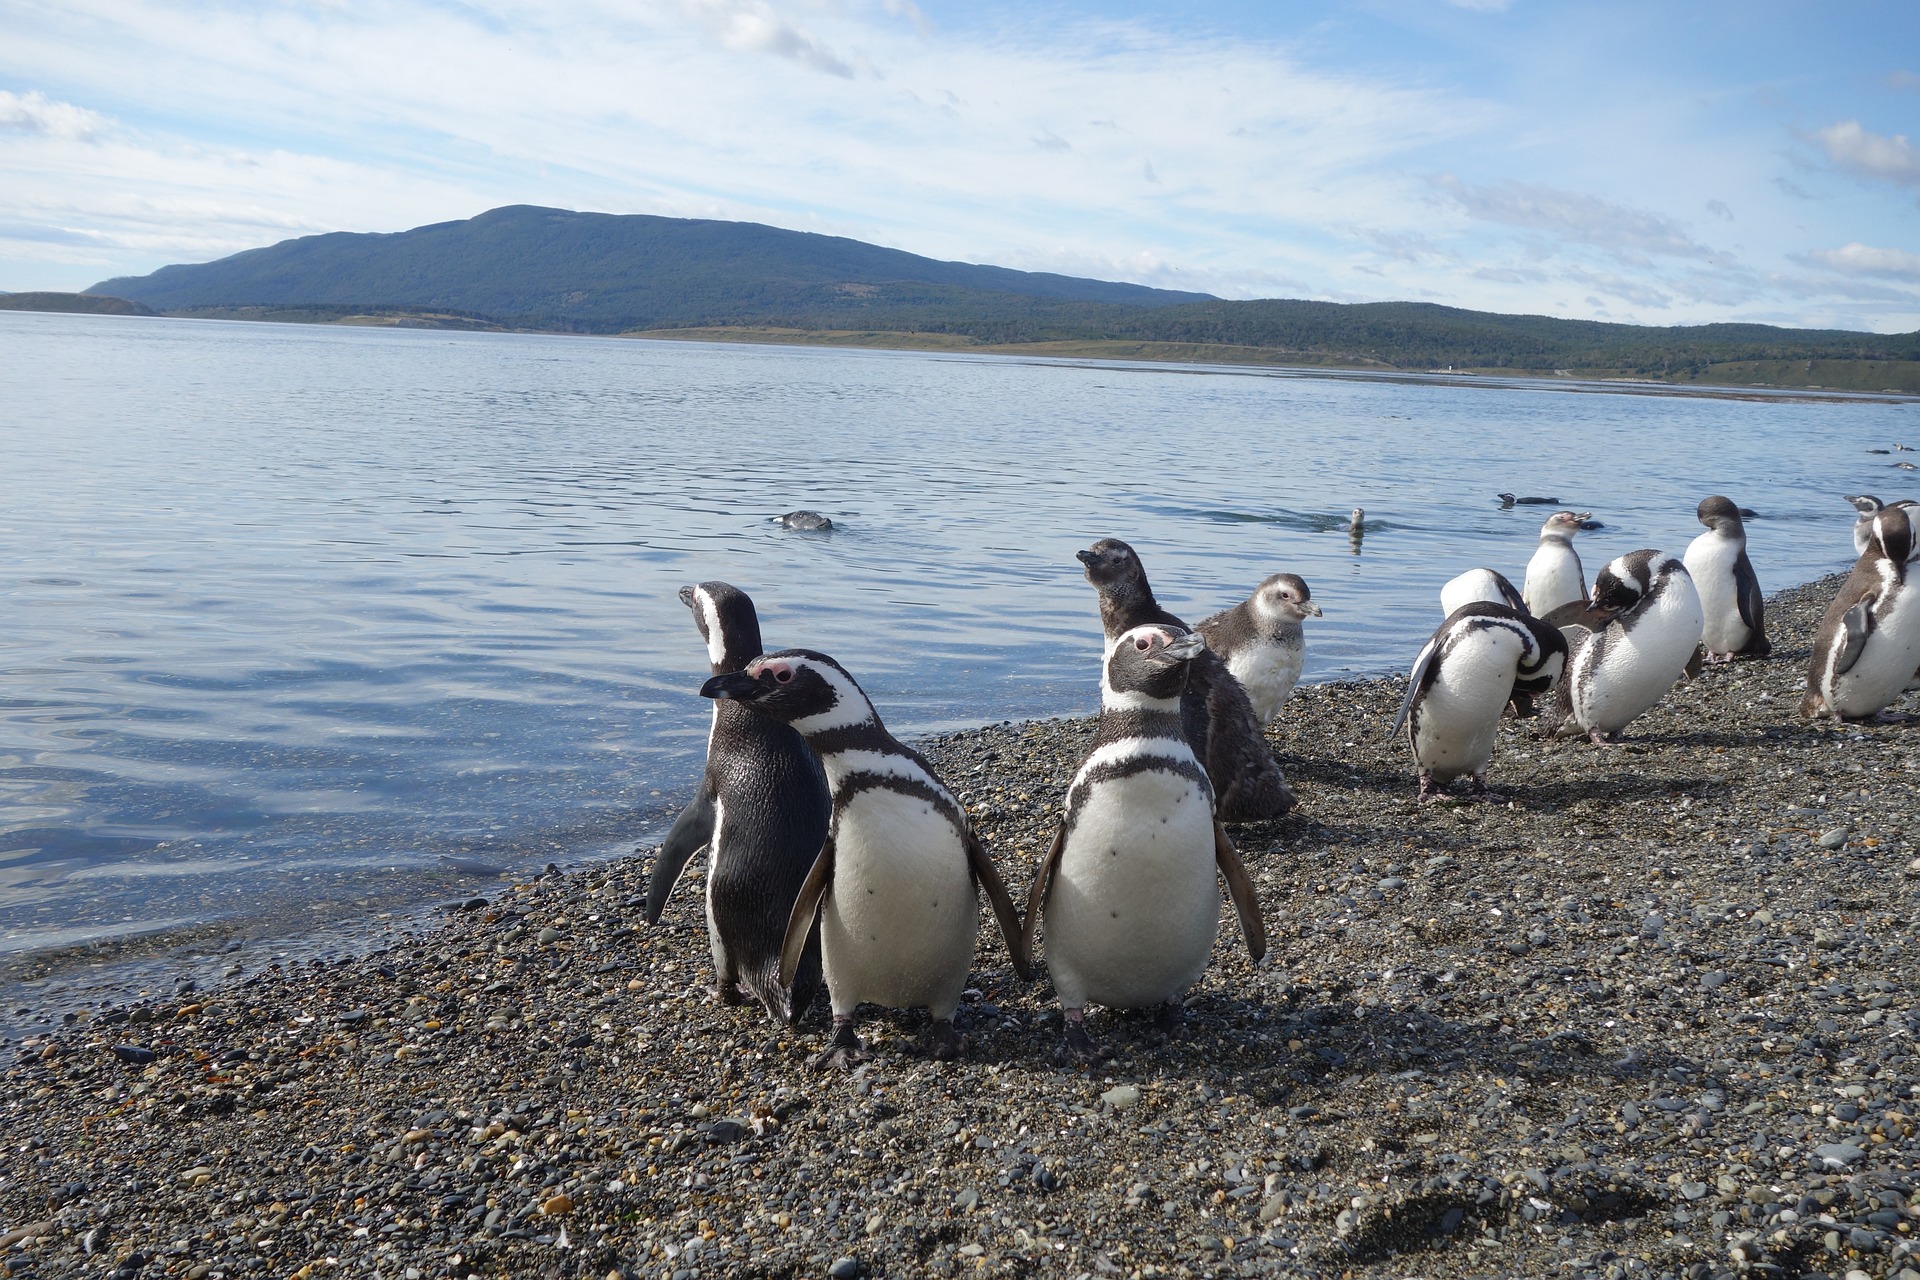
90 303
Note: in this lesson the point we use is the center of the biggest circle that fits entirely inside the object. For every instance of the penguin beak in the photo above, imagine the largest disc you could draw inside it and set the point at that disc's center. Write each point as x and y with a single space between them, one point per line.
1185 647
1085 557
1311 609
736 686
686 595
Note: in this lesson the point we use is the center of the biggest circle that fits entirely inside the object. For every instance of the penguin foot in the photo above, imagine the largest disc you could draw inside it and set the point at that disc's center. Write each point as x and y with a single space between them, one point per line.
727 991
1599 739
941 1042
1429 794
1079 1049
843 1050
1478 787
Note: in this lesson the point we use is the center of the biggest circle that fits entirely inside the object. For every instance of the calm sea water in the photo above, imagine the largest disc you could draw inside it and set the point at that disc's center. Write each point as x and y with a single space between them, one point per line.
301 621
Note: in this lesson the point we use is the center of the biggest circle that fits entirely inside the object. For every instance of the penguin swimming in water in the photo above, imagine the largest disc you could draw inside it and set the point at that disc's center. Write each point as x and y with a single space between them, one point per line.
1643 628
1261 642
1868 644
1478 659
761 811
1482 585
804 521
894 885
1247 783
1507 500
1127 888
1730 599
1868 507
1554 576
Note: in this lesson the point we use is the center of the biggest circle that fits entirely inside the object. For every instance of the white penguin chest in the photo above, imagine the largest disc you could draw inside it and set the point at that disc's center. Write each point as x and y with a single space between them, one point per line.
1710 562
1134 907
1622 672
1268 670
1457 721
897 927
1887 662
1554 578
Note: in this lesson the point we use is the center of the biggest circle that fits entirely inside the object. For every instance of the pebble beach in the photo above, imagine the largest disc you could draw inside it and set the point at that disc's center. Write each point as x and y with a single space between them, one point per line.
1653 1016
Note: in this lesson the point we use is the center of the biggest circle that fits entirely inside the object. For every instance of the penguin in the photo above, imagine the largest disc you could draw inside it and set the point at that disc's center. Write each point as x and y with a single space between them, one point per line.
1478 659
893 885
1507 500
1357 522
1127 887
805 521
1639 637
1868 644
1261 642
1730 598
1247 783
1485 585
1868 507
761 811
1554 576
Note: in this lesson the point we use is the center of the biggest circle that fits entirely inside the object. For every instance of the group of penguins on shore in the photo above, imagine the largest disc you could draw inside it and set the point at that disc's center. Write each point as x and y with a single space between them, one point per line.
835 850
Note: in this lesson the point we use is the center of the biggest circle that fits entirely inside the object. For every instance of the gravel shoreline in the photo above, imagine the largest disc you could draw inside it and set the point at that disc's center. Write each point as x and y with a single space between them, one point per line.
1653 1018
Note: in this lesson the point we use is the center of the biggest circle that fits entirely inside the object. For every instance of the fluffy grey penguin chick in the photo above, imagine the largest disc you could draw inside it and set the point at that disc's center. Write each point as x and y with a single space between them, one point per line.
894 887
1262 643
1127 888
761 811
1247 782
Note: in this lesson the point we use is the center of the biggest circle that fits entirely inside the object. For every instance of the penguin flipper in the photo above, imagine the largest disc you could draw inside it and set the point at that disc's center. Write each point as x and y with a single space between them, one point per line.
1422 673
1240 889
1042 887
1858 622
1753 608
691 832
988 877
805 908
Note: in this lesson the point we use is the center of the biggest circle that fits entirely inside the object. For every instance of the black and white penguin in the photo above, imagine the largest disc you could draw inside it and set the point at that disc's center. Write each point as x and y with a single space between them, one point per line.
1487 586
1476 661
1643 628
1508 500
1226 736
1127 889
1868 644
761 811
1554 576
804 521
1730 598
1261 642
1868 507
894 882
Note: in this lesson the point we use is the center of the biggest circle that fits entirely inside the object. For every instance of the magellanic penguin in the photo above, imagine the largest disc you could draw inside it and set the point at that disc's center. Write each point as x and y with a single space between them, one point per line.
1869 506
893 886
1261 642
761 811
1554 576
1127 888
1507 500
1638 639
1869 641
1487 586
1730 598
1226 736
1475 663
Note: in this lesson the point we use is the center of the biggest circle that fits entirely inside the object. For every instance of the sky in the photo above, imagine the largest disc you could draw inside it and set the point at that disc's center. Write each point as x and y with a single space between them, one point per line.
1636 160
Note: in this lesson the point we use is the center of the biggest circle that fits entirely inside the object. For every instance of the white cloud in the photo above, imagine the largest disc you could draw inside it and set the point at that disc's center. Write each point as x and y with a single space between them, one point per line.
1871 155
754 25
1571 216
34 112
1864 260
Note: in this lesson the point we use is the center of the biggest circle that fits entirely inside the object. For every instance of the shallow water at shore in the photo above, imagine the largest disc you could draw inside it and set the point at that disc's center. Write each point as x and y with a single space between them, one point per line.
305 623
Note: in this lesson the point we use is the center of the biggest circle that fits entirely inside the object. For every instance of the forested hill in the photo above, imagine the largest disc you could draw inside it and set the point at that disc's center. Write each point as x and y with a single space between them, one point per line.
602 273
550 269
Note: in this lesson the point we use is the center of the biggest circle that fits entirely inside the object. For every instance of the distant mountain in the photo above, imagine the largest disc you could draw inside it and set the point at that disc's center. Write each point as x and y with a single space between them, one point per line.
90 303
600 273
550 269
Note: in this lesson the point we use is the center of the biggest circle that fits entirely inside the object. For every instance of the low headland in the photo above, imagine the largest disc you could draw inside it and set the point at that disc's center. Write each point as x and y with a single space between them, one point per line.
1653 1017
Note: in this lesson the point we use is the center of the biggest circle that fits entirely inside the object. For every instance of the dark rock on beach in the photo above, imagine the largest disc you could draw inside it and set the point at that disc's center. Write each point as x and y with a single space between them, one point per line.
1653 1017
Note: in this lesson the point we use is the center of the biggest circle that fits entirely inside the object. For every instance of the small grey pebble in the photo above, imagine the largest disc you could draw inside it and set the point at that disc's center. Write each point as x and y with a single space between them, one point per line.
847 1268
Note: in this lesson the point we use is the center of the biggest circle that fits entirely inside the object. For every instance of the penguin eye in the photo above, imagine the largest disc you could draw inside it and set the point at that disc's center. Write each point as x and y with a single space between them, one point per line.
1142 643
783 675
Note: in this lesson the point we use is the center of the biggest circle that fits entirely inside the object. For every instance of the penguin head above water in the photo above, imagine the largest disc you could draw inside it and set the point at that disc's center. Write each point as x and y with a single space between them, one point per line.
1564 524
800 687
1148 664
1284 598
1722 515
727 622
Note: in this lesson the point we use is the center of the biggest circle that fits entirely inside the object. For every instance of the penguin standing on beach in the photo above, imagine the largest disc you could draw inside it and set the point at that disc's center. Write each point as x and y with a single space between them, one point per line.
1868 644
1127 889
1261 642
1554 576
1730 599
1486 586
1637 639
1868 507
1247 783
894 884
761 811
1478 659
